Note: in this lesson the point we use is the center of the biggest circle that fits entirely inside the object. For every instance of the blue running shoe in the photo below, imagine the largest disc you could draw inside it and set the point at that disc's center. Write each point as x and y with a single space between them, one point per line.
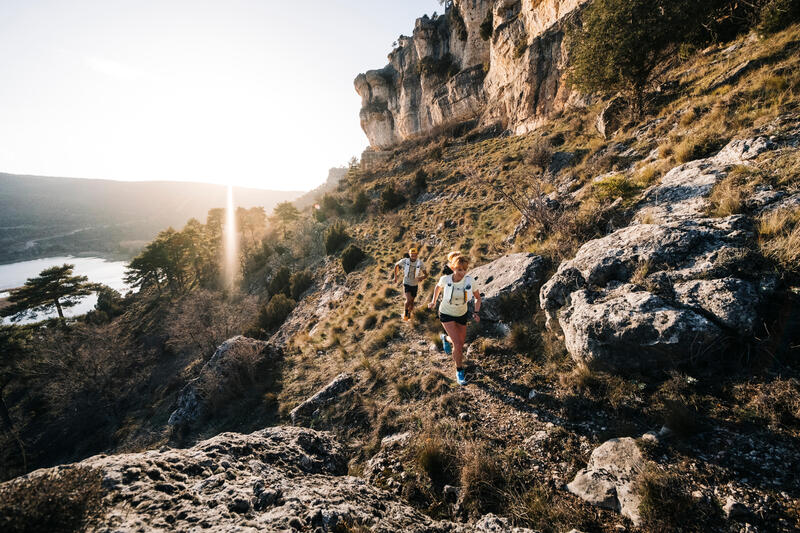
461 376
446 346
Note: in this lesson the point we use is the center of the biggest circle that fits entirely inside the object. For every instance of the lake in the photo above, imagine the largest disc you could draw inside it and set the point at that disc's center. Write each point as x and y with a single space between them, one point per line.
98 270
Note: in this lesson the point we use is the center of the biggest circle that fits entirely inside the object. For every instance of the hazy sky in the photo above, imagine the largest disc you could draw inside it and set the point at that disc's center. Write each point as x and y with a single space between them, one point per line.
252 92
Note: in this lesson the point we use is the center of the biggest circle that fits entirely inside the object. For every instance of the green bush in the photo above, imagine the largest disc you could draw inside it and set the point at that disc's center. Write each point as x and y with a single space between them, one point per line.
336 237
280 282
391 199
445 65
271 316
299 283
351 257
420 180
59 502
487 26
360 203
777 15
621 41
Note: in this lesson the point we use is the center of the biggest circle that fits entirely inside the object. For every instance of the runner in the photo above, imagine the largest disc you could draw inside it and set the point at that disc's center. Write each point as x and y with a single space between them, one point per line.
413 272
456 290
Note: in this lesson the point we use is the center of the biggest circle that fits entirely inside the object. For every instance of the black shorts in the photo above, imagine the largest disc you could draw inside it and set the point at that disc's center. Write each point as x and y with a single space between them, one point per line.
457 319
411 288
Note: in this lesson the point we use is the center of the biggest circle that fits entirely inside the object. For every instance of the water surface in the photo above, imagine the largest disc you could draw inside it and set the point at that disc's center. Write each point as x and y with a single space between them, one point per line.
98 270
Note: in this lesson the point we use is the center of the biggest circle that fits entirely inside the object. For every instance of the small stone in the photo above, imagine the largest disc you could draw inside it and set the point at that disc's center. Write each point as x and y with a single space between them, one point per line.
735 509
665 432
650 437
451 493
464 417
532 394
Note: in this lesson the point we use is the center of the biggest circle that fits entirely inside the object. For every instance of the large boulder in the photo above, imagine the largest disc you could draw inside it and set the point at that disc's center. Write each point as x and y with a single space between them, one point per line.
276 479
665 289
506 277
609 479
223 367
649 296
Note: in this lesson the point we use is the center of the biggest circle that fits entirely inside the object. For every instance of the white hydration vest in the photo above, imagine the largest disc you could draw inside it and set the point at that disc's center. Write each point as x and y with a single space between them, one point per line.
449 291
407 267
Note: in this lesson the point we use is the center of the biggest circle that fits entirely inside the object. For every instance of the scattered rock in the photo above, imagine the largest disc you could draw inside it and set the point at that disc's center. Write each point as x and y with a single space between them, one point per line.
464 417
611 117
735 510
341 383
608 480
734 74
216 372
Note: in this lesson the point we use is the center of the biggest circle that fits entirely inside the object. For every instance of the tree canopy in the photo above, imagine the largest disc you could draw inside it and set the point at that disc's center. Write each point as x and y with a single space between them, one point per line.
53 287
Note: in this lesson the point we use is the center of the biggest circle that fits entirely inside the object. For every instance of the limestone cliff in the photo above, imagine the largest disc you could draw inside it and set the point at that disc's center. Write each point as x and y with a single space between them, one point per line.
492 60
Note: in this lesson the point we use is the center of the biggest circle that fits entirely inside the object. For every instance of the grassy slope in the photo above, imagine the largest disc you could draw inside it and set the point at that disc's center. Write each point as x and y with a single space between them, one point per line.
404 387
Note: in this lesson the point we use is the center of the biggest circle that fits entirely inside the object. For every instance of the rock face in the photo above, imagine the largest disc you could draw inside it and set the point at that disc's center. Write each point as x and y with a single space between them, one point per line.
609 479
655 294
276 479
504 277
215 374
446 72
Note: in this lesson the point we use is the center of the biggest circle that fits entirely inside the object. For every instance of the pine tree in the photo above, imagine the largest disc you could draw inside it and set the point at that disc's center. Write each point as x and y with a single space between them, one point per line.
53 287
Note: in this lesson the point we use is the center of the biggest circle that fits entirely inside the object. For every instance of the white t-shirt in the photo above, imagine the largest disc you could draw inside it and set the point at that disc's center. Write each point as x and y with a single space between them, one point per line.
454 303
410 278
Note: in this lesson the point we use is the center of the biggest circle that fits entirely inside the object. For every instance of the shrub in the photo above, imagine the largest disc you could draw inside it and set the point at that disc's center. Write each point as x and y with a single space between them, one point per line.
612 187
360 203
299 283
63 501
280 282
692 148
391 199
521 46
220 386
777 15
437 459
272 316
445 65
335 238
370 321
487 26
779 233
351 257
621 42
540 154
481 480
420 180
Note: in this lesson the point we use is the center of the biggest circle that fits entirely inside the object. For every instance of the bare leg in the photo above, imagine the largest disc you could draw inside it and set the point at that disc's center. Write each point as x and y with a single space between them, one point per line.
457 334
408 304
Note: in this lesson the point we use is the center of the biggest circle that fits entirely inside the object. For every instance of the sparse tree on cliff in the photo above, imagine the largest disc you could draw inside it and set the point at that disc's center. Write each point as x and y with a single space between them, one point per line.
619 44
286 213
53 287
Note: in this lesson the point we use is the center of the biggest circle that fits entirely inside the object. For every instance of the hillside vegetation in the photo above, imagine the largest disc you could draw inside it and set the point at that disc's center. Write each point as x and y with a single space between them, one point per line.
317 285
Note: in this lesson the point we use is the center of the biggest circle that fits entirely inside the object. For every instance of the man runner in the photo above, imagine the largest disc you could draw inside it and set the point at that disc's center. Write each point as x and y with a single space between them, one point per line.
413 272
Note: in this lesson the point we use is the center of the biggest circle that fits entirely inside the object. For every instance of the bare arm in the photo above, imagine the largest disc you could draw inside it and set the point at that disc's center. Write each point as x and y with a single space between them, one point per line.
436 292
477 296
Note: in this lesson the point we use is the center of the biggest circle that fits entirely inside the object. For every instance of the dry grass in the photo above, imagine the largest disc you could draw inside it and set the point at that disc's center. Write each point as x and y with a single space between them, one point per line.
779 238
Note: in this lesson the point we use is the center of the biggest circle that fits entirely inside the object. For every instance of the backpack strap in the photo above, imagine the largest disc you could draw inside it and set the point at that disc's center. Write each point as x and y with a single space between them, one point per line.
448 289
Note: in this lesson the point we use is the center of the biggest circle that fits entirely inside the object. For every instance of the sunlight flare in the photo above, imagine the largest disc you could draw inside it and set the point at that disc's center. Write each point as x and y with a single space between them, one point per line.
231 241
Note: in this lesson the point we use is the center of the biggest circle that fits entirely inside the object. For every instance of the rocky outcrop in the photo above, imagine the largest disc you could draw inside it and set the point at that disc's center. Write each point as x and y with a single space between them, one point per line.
655 294
341 383
276 479
504 278
216 374
500 61
609 480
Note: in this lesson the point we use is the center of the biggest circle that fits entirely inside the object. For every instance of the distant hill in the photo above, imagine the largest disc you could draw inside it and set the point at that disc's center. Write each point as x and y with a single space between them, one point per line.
335 175
41 216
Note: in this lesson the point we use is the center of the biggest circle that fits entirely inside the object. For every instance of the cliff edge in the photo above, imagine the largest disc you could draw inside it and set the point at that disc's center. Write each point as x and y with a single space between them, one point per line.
487 60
